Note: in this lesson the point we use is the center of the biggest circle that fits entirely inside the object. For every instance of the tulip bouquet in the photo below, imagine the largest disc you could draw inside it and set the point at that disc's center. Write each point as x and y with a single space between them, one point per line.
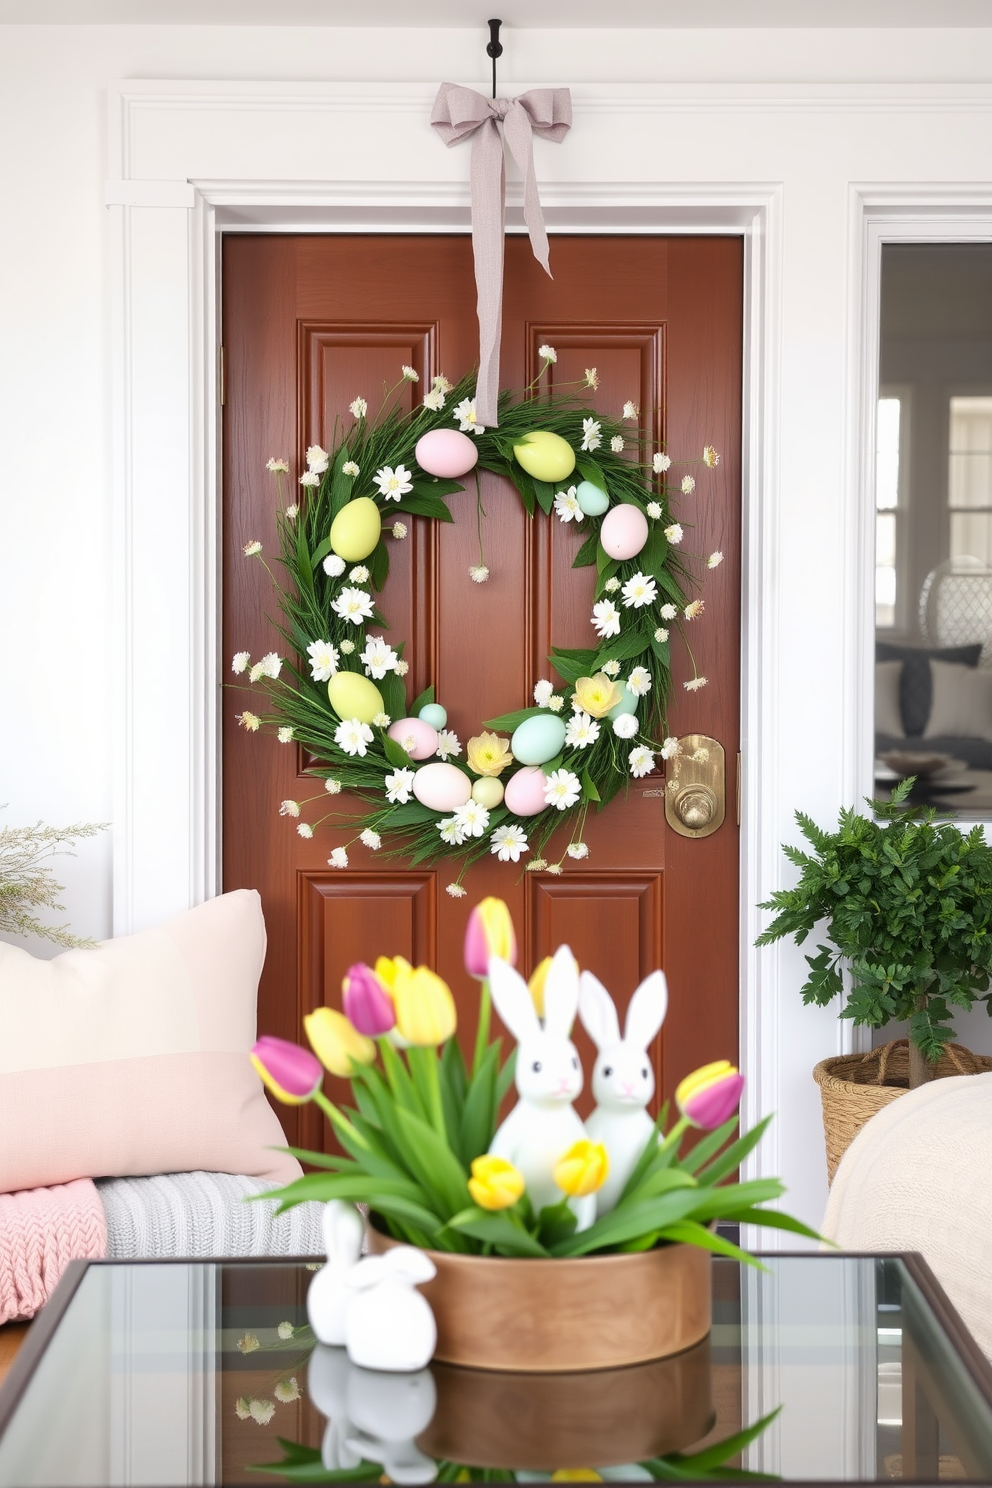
416 1144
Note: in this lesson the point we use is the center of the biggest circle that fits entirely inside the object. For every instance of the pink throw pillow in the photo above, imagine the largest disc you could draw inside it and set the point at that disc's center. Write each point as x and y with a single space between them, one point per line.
132 1058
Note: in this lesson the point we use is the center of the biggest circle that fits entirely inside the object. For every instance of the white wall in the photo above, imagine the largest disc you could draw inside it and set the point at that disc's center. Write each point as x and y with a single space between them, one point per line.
55 515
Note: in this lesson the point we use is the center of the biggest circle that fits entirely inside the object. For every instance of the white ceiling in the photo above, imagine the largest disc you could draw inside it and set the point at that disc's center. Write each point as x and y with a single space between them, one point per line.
529 14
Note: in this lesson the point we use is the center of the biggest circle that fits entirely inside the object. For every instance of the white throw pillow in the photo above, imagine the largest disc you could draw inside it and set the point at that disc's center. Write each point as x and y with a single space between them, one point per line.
888 716
962 702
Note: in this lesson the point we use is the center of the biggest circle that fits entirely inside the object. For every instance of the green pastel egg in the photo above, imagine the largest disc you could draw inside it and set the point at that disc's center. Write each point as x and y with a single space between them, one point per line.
538 739
627 703
433 714
488 791
354 696
591 499
545 456
355 530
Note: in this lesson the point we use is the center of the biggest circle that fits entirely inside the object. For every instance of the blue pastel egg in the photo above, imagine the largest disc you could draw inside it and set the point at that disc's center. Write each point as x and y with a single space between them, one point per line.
538 739
433 714
627 703
591 499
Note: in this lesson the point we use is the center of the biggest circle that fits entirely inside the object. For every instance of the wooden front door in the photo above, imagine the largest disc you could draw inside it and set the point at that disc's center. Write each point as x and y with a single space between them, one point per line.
309 323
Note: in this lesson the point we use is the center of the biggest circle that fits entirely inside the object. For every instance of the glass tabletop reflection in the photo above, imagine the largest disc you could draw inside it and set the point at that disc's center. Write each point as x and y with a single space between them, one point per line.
821 1367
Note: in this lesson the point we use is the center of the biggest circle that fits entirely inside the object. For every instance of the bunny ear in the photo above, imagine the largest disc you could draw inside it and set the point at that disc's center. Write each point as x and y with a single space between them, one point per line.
561 993
512 1000
367 1273
343 1230
647 1010
411 1264
598 1014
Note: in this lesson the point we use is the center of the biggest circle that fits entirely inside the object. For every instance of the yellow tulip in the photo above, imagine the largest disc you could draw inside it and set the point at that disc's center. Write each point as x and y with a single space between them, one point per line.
597 695
495 1183
389 969
425 1008
576 1475
538 980
489 932
583 1169
488 754
337 1044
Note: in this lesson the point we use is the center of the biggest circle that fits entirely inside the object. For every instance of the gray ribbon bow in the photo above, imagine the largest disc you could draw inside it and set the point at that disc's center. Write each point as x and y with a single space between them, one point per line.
460 112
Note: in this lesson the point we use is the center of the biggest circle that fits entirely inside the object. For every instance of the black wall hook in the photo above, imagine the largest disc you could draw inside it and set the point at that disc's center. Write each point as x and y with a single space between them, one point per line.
495 48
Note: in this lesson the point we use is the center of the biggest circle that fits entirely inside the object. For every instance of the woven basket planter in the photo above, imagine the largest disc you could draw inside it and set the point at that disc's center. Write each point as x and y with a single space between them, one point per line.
853 1087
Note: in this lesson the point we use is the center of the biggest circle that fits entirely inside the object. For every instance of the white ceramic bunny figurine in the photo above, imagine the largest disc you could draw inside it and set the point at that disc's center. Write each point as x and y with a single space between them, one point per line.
542 1125
328 1371
390 1325
622 1078
387 1412
328 1299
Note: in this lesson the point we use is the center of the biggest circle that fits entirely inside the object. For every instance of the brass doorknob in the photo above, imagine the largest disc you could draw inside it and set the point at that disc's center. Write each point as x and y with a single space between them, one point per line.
696 806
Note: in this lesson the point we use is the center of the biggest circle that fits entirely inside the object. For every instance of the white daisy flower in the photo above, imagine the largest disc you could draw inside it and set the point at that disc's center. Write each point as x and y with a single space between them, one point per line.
631 410
472 818
257 671
347 647
285 734
409 375
359 408
242 1408
567 506
694 608
434 400
670 748
591 434
695 684
334 566
382 720
371 839
508 843
542 693
592 378
639 681
353 736
660 463
562 789
277 466
393 484
338 858
714 560
674 533
317 459
467 421
688 485
616 443
350 468
323 660
261 1411
577 850
611 668
442 384
240 662
654 510
402 667
292 512
289 808
310 478
640 761
606 618
304 829
451 832
581 731
271 664
455 890
332 786
359 575
668 611
354 605
378 658
548 353
555 868
399 531
250 721
625 725
448 743
556 702
661 635
537 865
478 573
251 548
399 787
638 591
286 1391
710 456
285 1330
612 585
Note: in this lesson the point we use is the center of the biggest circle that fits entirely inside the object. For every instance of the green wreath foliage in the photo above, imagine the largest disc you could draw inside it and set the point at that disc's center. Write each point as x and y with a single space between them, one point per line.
299 707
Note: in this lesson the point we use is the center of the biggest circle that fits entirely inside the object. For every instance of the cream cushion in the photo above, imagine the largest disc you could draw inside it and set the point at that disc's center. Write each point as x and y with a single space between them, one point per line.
962 702
888 717
918 1176
132 1058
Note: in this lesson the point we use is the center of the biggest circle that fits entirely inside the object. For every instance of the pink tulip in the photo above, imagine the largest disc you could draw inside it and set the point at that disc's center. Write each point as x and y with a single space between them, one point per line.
367 1004
292 1074
489 933
710 1095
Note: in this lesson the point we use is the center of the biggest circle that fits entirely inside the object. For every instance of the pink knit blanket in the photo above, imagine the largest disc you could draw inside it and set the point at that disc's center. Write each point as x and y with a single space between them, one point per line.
41 1231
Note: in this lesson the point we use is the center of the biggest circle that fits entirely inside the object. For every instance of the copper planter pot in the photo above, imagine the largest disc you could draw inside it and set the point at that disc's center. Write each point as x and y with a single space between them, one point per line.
547 1317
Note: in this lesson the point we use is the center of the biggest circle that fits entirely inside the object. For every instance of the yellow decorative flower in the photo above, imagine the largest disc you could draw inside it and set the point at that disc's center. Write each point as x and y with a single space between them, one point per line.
576 1475
495 1183
389 969
538 979
336 1042
583 1169
425 1008
597 695
488 754
489 932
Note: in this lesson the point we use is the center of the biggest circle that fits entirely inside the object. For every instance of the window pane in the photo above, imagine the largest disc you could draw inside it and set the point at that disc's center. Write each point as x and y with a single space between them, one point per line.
885 569
969 474
887 454
971 536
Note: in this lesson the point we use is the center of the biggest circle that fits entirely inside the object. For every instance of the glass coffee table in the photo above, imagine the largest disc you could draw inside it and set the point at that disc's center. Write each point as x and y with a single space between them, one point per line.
822 1368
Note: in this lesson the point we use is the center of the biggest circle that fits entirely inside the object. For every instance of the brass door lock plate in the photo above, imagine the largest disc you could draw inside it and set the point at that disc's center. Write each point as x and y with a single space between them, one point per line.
695 792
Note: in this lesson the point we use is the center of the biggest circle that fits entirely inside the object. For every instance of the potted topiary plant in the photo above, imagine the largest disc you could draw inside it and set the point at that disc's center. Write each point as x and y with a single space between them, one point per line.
907 905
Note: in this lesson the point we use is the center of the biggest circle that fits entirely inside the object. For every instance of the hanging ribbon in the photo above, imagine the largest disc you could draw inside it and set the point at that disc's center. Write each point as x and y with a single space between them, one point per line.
460 112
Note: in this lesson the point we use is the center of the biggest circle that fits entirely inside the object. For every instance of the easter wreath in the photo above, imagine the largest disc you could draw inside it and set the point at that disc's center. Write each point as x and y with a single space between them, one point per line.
340 691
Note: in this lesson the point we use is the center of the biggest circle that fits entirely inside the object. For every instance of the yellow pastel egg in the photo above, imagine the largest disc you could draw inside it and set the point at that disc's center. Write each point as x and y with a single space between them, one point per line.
488 791
354 696
545 456
355 530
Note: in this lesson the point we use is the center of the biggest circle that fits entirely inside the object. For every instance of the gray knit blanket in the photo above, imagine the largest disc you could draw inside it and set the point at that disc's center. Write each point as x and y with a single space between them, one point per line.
203 1214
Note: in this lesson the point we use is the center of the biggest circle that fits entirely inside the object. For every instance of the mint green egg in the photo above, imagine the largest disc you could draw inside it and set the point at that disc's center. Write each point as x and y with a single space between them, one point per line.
433 714
591 499
538 739
627 703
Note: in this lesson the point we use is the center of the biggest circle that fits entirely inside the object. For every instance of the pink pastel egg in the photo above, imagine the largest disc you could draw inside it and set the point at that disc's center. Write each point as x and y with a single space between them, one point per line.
525 792
446 452
624 531
442 787
415 736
